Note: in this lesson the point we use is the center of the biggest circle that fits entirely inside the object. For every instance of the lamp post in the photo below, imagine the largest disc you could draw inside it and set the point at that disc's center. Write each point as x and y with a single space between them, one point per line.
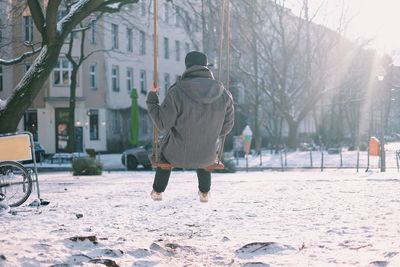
386 87
382 87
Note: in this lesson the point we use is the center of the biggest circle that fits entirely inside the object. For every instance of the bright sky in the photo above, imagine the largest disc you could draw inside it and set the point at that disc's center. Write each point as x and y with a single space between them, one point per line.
378 20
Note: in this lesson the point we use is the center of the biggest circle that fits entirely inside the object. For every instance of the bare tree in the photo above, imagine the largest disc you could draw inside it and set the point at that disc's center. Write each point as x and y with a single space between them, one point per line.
76 63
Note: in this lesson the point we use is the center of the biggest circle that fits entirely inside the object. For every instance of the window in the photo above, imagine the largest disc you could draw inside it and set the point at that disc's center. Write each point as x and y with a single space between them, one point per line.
1 78
62 72
94 124
143 8
177 50
166 12
115 78
115 123
143 124
142 43
93 32
187 48
28 26
166 48
129 79
186 20
143 85
93 75
197 23
31 123
114 36
129 37
166 82
178 17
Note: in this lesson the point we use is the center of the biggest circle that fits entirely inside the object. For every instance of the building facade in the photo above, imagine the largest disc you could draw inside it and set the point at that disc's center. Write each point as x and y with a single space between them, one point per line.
121 59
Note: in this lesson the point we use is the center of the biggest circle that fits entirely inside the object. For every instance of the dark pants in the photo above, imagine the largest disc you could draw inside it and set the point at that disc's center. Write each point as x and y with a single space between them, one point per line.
162 177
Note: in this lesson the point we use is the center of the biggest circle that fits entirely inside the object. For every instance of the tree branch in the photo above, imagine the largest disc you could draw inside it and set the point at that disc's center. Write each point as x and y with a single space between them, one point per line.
51 18
80 10
68 55
20 58
37 15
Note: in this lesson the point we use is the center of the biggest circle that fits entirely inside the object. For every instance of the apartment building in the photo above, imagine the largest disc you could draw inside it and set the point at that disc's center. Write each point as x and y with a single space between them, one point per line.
121 48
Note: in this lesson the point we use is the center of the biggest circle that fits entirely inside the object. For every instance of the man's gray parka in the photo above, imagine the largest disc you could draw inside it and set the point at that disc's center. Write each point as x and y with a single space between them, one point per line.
196 113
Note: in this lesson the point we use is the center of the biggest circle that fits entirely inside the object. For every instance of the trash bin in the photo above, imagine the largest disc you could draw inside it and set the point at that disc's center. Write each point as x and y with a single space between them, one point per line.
374 146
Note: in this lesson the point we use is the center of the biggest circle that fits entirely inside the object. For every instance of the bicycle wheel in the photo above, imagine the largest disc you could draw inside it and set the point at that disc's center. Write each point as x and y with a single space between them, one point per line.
15 183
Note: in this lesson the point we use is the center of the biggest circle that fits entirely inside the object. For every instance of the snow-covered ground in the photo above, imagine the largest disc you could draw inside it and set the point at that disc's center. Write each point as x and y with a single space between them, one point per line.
334 218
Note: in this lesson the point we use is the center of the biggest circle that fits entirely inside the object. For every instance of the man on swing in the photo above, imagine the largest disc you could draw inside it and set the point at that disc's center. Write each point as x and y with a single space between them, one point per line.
196 114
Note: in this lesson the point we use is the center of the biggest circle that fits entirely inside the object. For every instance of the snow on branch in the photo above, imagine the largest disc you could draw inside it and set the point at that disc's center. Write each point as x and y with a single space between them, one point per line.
113 6
22 57
81 9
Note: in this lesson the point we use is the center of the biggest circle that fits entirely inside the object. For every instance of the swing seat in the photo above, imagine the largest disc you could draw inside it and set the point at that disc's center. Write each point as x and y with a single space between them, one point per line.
218 165
164 165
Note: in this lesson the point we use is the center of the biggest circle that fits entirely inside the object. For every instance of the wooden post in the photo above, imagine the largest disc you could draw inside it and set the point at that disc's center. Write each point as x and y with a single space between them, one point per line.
367 159
247 162
322 160
285 157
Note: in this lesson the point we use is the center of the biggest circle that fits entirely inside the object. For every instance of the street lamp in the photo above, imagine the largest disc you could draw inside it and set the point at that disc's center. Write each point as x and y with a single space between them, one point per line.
382 125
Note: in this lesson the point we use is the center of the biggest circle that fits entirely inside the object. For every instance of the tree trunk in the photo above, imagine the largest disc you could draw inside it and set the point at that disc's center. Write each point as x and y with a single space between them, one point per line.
28 88
71 110
292 138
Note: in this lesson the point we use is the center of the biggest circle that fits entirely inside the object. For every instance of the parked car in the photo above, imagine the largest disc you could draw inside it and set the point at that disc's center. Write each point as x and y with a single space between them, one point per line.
137 156
306 147
334 150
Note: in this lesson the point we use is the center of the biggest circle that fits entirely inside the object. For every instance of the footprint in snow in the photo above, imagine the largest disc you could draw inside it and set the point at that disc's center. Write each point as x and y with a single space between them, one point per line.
140 253
145 263
255 264
378 264
106 252
262 248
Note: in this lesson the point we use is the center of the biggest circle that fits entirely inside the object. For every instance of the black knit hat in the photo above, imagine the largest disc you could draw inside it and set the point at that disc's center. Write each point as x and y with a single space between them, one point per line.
195 58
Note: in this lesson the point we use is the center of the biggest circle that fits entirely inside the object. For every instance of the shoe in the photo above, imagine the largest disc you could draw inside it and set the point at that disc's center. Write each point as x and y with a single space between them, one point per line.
203 197
156 196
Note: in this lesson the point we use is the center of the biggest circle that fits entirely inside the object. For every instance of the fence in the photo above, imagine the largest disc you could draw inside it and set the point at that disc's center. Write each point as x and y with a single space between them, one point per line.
340 158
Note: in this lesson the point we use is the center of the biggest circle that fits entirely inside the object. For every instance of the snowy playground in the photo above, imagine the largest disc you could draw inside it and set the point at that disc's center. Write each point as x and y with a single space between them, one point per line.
304 218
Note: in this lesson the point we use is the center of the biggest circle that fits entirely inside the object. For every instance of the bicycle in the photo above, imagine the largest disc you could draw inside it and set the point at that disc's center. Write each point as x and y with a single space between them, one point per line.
16 181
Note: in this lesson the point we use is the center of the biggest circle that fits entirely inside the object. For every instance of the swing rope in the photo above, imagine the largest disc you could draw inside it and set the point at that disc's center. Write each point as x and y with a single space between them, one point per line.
155 154
228 37
155 157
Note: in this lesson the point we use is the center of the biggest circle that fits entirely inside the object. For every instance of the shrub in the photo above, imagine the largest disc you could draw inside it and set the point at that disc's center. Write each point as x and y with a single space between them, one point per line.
86 166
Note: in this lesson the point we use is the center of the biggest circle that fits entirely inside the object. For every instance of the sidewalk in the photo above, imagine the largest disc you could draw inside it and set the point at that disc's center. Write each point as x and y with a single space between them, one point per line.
294 160
111 162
